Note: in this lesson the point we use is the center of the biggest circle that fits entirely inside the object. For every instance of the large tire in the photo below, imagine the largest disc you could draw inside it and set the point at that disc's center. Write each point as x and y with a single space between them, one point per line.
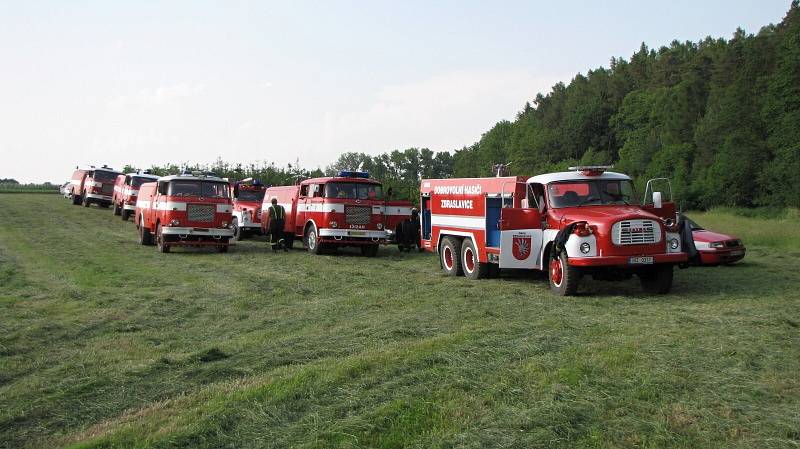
369 250
76 200
450 256
237 231
125 214
312 241
161 240
145 237
117 209
470 261
563 278
658 280
85 200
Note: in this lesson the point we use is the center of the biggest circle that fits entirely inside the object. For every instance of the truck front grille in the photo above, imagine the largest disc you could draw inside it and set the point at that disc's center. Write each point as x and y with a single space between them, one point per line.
635 232
200 212
358 215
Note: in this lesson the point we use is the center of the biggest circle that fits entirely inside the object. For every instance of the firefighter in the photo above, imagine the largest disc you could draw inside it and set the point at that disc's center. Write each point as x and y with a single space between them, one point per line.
277 220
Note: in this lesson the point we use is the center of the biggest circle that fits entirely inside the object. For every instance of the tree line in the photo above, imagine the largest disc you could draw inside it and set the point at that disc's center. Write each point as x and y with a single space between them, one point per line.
719 117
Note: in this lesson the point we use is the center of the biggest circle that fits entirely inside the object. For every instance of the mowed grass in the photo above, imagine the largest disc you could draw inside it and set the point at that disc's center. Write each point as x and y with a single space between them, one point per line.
104 343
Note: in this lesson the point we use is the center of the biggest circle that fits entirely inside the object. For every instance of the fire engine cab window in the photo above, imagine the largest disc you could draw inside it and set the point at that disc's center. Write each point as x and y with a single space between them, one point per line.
100 176
597 192
136 182
198 188
353 190
251 195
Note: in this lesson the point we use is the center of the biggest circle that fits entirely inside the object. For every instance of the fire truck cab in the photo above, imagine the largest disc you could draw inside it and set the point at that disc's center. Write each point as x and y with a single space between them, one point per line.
326 213
582 222
126 189
192 209
93 185
248 194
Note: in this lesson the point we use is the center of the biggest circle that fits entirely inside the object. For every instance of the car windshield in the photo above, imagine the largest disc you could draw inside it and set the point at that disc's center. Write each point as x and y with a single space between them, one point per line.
204 189
590 192
104 176
251 195
693 225
353 190
137 181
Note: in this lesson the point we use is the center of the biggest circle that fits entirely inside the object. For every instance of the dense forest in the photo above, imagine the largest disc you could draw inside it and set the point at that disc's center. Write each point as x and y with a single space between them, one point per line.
720 118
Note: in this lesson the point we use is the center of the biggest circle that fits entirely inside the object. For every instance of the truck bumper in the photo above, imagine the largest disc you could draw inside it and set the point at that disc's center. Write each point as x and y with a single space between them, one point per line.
624 261
96 197
129 206
216 233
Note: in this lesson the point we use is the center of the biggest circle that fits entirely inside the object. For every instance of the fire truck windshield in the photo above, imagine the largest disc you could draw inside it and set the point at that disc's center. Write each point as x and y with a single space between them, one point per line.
251 195
104 176
205 189
590 192
353 190
137 181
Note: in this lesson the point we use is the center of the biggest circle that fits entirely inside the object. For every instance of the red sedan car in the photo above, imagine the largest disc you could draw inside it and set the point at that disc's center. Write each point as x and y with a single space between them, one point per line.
714 248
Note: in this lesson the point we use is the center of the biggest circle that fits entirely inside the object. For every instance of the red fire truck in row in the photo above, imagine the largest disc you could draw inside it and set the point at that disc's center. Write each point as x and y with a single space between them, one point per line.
93 185
581 222
126 190
192 209
344 210
248 194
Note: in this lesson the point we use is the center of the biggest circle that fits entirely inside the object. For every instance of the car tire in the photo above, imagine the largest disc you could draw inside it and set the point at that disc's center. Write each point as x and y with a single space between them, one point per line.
311 241
657 280
562 277
161 240
145 237
450 256
470 261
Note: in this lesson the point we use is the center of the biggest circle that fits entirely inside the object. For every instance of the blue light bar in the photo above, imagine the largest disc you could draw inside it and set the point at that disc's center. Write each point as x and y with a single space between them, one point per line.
353 174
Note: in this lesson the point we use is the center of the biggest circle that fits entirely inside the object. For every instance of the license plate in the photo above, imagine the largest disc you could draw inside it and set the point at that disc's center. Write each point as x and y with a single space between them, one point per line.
737 253
357 233
642 260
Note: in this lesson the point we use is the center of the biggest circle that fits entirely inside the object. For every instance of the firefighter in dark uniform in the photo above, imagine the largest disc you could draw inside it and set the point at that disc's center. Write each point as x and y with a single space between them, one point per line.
277 220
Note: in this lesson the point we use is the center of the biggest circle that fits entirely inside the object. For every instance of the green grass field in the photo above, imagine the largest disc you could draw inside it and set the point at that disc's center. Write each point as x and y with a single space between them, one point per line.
104 343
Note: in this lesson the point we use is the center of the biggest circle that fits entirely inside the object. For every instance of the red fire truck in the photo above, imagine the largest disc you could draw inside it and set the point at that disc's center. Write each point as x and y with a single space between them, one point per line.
344 210
248 194
581 222
192 209
93 185
126 189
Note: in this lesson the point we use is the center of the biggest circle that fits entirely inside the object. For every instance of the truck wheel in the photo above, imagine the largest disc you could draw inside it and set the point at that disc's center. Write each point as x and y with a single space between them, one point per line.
76 200
312 241
657 280
563 278
237 232
450 256
470 263
369 250
85 201
145 237
163 246
117 209
125 214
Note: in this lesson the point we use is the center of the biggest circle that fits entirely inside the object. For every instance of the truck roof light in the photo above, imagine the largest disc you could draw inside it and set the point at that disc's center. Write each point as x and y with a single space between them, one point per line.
591 170
353 174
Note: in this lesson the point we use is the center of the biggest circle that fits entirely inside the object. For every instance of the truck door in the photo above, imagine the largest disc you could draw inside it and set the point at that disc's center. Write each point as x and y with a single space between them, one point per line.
302 209
425 216
520 238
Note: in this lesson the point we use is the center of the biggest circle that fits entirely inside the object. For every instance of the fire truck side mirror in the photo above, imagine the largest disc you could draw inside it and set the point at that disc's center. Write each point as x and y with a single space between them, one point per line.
162 188
657 203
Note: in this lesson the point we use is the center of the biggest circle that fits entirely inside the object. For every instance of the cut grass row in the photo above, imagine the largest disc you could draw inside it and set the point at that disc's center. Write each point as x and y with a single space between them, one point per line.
104 343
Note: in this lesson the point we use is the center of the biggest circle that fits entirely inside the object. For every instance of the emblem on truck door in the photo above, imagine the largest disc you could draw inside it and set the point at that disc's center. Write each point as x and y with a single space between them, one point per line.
521 247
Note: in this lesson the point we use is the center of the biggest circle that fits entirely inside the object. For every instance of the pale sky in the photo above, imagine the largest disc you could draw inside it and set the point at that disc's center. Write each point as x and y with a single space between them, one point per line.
145 82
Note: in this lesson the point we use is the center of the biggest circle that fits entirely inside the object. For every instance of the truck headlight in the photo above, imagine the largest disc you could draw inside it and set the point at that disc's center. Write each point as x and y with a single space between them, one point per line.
585 248
174 222
379 226
674 243
224 224
333 224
